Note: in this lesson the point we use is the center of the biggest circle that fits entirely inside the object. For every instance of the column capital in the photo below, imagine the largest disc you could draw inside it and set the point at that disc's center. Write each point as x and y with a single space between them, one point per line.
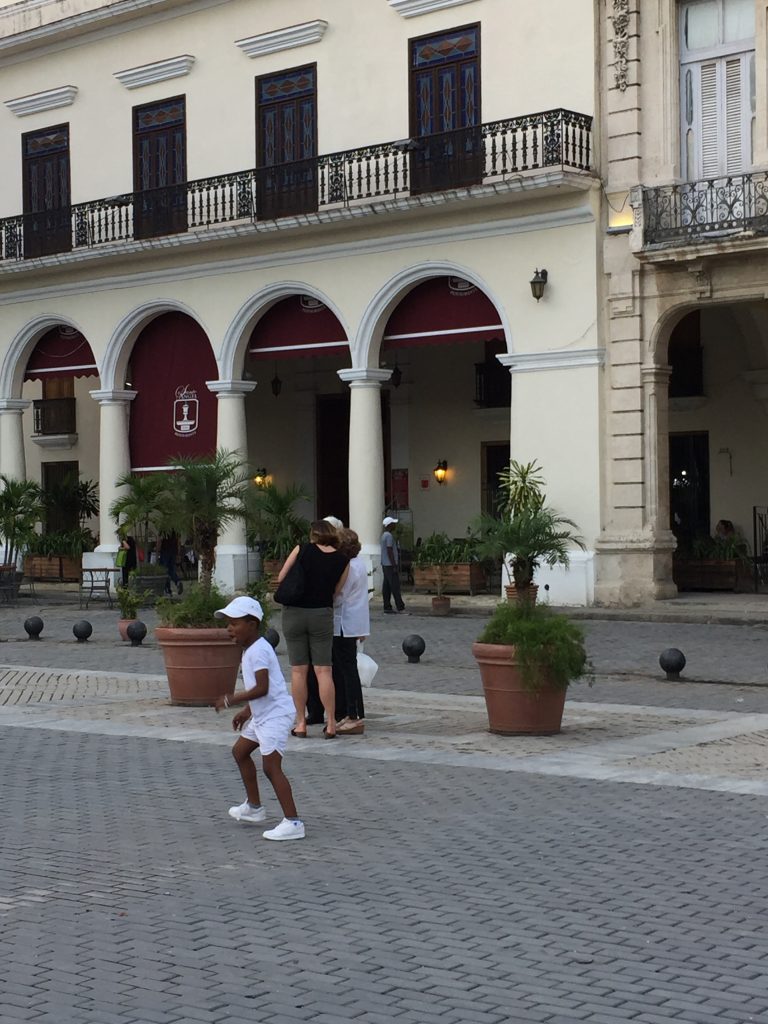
14 404
116 396
655 374
365 377
231 388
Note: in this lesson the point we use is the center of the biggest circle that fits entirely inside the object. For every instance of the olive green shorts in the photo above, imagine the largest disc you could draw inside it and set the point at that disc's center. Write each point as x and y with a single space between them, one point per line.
308 635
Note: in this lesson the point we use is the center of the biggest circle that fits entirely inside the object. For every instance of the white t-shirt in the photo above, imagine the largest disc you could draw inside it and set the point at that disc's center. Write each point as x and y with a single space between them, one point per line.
351 613
277 701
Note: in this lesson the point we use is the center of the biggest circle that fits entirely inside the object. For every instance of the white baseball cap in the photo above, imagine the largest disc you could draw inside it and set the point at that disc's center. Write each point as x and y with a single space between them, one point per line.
239 607
388 521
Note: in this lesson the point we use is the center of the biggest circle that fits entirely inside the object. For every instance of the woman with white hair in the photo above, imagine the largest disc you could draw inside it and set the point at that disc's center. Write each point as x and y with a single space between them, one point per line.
351 622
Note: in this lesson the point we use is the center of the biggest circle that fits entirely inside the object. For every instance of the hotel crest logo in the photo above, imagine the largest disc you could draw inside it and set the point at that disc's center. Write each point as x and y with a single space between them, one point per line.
185 411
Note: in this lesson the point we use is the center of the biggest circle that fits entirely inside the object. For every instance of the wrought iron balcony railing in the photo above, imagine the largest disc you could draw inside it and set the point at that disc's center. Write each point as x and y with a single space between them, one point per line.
699 211
471 156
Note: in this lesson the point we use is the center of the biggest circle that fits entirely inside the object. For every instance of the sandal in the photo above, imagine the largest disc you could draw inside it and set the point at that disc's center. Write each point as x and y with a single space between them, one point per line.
328 735
352 727
299 734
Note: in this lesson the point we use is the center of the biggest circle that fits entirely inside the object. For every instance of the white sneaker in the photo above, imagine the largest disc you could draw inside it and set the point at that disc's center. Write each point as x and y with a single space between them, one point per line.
244 812
286 830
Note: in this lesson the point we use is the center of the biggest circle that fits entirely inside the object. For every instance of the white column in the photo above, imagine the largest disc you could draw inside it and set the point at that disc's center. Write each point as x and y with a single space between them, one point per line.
366 458
12 461
114 459
231 435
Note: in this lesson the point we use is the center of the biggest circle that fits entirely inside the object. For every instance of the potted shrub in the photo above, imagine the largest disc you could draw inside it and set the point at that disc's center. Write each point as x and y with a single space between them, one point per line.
149 579
141 509
713 563
527 656
201 661
274 525
129 601
21 510
58 555
528 532
448 566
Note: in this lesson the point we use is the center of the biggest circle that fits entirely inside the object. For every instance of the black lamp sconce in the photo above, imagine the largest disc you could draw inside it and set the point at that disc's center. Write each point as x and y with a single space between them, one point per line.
538 282
441 471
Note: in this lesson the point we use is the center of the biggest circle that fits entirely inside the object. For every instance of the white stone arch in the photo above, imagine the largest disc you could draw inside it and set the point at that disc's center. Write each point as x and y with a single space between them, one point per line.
15 360
232 357
126 332
367 343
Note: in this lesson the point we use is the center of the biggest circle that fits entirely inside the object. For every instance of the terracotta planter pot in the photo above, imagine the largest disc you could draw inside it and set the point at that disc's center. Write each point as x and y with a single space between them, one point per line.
441 606
271 567
201 664
122 628
513 709
523 594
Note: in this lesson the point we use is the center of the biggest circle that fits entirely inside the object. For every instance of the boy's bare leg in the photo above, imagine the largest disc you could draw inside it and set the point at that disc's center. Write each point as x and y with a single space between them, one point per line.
273 769
241 752
299 694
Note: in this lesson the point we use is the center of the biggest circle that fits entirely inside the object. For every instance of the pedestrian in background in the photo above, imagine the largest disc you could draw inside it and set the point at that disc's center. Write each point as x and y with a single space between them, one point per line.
129 561
390 567
351 622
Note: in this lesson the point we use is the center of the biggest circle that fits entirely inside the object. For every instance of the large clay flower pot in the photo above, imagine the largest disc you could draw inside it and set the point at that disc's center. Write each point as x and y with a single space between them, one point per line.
201 664
514 709
528 593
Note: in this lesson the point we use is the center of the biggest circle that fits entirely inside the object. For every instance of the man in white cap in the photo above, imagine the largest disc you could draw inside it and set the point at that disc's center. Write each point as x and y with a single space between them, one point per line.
390 567
264 724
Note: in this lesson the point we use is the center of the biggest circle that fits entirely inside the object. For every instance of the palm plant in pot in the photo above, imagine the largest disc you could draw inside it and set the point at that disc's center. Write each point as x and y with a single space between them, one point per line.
274 523
21 509
528 532
437 552
204 495
129 600
527 656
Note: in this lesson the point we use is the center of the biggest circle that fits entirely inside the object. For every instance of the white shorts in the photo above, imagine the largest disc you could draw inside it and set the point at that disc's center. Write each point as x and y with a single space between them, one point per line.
271 735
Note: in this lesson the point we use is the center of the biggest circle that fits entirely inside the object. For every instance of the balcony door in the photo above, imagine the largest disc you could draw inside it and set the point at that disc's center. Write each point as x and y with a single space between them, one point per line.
160 168
717 87
445 110
286 143
47 209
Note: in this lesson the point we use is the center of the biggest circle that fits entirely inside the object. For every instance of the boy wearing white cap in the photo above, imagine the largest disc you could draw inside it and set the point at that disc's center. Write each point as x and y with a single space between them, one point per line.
266 723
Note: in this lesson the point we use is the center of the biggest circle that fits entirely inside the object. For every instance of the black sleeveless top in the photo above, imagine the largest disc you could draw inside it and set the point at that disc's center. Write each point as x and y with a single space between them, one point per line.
322 571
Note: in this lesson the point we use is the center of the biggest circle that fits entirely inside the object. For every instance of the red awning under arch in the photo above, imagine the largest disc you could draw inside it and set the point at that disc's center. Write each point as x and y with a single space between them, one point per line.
442 310
297 327
61 352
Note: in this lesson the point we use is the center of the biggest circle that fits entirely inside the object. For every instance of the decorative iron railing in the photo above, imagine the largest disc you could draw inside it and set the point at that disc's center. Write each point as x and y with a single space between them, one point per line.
702 210
54 416
471 156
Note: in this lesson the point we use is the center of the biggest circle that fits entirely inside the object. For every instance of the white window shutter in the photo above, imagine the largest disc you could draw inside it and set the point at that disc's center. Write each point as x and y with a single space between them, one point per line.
710 163
734 117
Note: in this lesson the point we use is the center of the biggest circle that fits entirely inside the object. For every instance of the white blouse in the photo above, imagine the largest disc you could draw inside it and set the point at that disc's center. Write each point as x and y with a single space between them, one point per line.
351 614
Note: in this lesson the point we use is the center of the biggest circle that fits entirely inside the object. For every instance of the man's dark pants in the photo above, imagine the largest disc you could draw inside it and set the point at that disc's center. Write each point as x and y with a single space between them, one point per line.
390 588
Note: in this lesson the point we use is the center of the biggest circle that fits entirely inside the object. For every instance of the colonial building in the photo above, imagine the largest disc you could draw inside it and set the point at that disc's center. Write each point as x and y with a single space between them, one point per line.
308 232
684 158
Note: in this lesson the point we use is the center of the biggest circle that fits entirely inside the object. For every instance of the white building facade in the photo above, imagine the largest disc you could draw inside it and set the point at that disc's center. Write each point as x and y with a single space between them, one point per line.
308 237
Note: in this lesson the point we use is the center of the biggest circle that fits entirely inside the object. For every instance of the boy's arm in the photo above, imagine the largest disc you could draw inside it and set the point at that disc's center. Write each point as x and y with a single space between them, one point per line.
260 689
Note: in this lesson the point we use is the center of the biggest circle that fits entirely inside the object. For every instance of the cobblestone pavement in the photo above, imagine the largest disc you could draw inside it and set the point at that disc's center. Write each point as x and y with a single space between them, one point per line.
613 873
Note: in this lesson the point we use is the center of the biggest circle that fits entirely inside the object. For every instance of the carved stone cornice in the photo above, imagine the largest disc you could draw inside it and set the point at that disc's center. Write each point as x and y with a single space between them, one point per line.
37 102
158 71
413 8
283 38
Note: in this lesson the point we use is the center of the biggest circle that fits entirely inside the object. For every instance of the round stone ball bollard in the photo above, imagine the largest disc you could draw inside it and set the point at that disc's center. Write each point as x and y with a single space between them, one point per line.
272 637
34 627
673 662
82 630
136 632
414 646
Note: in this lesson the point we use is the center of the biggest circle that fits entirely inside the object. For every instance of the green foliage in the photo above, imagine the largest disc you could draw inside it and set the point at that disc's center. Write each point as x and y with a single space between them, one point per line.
532 536
732 548
440 549
21 509
70 543
149 569
522 488
260 590
548 647
141 510
272 519
71 500
129 600
194 610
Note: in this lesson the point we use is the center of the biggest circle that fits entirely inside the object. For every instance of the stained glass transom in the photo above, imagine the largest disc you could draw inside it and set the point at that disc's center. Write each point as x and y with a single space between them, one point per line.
287 85
160 115
52 140
440 49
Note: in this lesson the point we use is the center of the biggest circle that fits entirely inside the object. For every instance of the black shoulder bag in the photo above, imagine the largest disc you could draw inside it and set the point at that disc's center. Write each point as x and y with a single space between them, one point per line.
292 587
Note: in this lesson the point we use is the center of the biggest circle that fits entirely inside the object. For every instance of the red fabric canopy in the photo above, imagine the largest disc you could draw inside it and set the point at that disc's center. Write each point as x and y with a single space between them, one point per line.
296 327
61 352
173 413
443 309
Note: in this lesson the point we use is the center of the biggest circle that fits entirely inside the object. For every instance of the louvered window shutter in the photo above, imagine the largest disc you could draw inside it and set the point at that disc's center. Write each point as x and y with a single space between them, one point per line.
734 117
709 121
721 117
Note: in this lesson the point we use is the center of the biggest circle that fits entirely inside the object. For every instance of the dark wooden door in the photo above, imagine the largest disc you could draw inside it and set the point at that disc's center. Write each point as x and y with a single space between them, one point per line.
56 475
47 205
689 486
286 147
160 168
445 110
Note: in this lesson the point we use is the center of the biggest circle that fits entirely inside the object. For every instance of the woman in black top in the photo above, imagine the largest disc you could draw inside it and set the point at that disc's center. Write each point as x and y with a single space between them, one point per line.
308 623
130 563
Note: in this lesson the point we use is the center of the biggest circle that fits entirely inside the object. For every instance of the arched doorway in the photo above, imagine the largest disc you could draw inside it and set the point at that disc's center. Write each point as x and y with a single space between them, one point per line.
298 419
450 400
